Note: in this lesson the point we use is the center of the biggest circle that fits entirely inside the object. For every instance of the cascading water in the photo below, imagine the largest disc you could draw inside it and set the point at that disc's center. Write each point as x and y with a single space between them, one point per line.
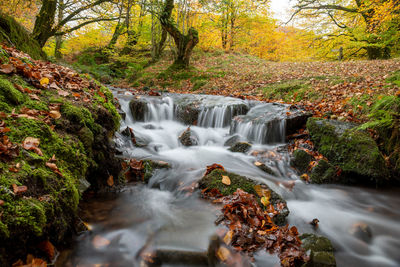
162 216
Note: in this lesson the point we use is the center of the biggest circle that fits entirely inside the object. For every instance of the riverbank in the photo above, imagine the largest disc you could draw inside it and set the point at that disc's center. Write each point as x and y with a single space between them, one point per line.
56 128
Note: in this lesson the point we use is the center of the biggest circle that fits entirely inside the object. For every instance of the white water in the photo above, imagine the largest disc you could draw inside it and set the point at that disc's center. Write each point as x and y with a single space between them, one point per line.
166 217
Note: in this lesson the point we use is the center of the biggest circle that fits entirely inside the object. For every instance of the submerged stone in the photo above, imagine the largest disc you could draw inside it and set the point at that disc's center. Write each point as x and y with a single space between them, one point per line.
188 138
138 108
354 151
241 147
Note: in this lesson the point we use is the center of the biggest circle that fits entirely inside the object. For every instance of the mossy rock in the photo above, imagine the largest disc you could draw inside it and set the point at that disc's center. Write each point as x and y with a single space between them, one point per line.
241 147
188 138
354 151
300 160
13 33
323 173
320 249
213 180
149 166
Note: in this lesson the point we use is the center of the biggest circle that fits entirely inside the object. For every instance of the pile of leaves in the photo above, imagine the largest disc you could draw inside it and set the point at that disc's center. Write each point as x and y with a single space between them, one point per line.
251 228
46 75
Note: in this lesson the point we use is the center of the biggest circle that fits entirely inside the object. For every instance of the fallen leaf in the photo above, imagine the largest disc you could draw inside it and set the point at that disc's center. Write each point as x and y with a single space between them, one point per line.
265 201
32 143
55 114
110 181
1 202
44 81
100 242
228 237
48 248
257 163
18 190
62 93
7 68
54 168
223 253
225 180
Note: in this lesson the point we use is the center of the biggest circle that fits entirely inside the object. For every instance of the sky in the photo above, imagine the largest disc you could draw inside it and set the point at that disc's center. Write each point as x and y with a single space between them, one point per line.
279 7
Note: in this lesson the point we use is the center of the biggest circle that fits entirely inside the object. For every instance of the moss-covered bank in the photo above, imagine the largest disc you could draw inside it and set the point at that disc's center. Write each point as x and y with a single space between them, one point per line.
75 150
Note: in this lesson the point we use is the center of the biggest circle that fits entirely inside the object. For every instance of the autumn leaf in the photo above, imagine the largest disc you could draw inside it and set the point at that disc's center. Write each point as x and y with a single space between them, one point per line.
213 167
228 237
265 201
55 114
19 190
7 68
110 181
1 202
223 253
48 248
31 143
54 168
258 164
44 81
225 180
63 93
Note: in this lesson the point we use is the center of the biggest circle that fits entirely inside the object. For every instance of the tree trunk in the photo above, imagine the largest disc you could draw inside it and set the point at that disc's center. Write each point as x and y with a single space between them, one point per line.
374 52
42 30
183 43
60 16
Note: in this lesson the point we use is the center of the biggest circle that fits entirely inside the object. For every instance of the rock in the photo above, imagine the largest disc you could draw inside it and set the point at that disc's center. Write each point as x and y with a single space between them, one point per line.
208 110
300 160
149 166
138 107
361 231
324 172
214 180
188 138
232 140
151 127
83 185
354 151
122 114
241 147
264 168
269 123
320 249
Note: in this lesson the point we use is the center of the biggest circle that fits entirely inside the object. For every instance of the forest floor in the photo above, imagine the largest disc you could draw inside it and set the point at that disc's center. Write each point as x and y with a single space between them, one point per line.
337 90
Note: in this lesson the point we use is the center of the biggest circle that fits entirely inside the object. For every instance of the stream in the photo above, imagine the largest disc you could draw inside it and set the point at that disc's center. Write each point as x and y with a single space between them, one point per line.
160 214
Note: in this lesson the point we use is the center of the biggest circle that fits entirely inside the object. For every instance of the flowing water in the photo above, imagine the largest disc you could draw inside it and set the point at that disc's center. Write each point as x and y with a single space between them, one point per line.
160 214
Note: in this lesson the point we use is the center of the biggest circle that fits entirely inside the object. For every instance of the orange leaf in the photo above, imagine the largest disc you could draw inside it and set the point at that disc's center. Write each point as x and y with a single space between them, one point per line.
99 242
225 180
48 248
110 181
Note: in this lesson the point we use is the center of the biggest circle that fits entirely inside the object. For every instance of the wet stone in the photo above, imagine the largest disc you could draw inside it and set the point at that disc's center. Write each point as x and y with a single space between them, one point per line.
300 160
188 138
241 147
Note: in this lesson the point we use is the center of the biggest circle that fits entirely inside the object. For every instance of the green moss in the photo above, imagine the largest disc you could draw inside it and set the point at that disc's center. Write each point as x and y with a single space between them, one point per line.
214 180
320 249
301 160
9 94
11 31
324 172
354 151
241 147
287 90
78 115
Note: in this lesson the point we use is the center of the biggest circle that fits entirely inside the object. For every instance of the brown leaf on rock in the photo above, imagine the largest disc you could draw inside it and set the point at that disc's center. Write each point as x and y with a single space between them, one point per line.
213 167
54 168
62 93
32 143
1 202
55 114
19 190
225 180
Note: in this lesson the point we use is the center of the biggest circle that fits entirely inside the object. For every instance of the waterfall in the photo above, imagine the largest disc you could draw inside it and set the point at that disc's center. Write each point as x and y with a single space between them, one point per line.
217 117
160 109
261 133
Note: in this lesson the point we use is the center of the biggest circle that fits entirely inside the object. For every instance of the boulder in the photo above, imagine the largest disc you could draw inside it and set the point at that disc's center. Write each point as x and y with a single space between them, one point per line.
241 147
214 180
320 250
138 107
208 110
352 150
188 138
270 122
